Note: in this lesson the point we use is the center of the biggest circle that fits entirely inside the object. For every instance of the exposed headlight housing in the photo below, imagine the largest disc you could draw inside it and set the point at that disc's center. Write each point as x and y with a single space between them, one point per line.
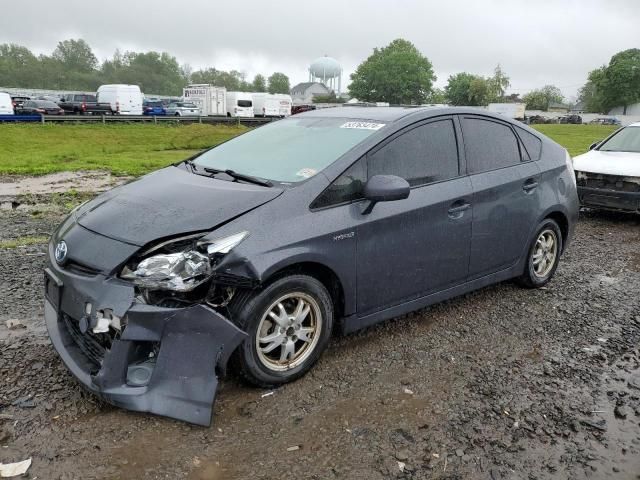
181 271
569 162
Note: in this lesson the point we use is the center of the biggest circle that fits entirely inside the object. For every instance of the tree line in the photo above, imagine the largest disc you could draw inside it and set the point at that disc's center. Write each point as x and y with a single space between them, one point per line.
400 74
73 66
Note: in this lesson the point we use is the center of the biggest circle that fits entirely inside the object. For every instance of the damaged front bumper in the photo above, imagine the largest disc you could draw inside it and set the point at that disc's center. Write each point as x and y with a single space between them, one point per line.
162 360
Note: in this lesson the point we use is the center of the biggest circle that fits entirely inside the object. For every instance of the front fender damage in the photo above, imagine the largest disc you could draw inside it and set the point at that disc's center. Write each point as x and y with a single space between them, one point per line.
191 346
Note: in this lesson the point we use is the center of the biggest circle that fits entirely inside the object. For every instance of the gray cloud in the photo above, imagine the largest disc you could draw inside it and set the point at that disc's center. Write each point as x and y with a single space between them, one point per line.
536 42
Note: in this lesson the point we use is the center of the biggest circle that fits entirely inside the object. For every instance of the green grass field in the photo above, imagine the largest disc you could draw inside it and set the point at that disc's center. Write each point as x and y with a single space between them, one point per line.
132 149
136 149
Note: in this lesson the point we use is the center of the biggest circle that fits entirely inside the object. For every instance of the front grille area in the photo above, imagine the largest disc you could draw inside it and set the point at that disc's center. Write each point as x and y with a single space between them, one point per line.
80 269
94 346
608 182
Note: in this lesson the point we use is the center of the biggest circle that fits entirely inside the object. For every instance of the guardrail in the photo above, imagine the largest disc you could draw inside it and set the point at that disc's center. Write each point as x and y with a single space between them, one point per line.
254 121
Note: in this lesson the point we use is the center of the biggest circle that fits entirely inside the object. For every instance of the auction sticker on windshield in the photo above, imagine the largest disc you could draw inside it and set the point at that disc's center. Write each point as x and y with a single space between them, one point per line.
363 125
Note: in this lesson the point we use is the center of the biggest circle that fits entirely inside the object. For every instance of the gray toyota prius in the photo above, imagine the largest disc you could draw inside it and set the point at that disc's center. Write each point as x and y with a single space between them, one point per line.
253 252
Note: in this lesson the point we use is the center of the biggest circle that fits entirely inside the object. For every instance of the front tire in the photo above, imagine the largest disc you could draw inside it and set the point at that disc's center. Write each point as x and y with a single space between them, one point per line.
543 255
289 325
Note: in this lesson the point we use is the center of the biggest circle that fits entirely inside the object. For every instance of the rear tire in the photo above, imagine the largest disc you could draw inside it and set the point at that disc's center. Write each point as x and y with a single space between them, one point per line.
284 342
543 255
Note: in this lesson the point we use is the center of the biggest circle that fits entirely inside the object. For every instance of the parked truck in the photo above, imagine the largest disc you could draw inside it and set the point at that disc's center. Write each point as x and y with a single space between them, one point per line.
266 105
511 110
211 100
239 104
84 103
285 104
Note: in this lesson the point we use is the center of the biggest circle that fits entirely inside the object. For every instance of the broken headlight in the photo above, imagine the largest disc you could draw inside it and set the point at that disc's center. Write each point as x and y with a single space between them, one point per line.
180 271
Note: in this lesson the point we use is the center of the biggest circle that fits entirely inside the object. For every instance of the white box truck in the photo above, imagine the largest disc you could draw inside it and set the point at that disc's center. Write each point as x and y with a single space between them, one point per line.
6 104
124 99
285 104
210 100
239 104
265 105
511 110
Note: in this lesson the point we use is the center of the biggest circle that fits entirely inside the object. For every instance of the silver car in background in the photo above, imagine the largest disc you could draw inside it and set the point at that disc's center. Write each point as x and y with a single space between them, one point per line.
183 109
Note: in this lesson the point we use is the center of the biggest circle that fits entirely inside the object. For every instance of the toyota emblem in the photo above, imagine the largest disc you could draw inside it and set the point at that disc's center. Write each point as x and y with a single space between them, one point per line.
61 252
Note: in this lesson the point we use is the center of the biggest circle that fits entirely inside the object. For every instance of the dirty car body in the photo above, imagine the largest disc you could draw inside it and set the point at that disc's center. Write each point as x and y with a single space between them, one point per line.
152 286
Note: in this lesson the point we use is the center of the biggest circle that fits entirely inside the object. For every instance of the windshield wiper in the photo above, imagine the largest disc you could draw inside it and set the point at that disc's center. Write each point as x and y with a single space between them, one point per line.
240 176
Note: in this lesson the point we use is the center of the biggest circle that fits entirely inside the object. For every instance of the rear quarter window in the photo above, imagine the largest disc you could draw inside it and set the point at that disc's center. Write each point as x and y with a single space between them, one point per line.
532 144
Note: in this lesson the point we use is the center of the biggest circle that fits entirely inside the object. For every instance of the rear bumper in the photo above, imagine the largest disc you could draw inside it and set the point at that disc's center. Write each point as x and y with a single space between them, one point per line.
190 345
609 199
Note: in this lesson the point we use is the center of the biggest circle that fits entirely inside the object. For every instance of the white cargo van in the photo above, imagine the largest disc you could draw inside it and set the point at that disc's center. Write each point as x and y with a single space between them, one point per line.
6 104
265 105
210 100
239 104
124 99
285 104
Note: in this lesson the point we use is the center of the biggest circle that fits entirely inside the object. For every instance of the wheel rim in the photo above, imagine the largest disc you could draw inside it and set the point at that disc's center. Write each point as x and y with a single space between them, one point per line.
288 331
545 253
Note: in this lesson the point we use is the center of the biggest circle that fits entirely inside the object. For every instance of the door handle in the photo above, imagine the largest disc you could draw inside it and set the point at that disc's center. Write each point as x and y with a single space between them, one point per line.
530 185
458 208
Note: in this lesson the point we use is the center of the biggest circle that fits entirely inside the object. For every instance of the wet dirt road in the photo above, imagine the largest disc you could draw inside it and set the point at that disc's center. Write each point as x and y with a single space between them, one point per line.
504 383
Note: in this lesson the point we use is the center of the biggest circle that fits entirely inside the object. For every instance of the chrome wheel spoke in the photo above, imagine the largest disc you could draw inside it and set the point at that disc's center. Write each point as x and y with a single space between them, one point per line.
288 349
304 334
272 337
271 347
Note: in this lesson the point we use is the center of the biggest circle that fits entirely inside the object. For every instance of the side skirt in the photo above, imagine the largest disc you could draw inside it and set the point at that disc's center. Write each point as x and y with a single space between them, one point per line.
353 323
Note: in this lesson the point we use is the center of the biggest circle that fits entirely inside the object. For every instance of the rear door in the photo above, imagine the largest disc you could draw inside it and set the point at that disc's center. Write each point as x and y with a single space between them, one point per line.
409 248
505 194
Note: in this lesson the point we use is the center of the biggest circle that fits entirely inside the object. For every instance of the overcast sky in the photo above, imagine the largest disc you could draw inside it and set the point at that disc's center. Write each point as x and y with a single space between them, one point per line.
537 42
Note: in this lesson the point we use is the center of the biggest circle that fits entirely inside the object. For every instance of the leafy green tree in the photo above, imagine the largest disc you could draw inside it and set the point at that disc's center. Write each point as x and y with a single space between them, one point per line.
279 83
330 98
497 85
259 83
622 80
75 56
18 66
397 73
467 89
436 96
593 94
541 98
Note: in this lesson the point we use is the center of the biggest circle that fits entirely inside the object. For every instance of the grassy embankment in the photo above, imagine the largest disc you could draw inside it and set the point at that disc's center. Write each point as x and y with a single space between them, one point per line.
132 149
136 149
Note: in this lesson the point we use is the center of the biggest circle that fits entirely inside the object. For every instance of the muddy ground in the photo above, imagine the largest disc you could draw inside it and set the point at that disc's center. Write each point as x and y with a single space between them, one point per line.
504 383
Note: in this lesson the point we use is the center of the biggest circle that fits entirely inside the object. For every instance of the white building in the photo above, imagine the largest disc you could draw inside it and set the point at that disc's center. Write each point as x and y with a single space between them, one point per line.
303 93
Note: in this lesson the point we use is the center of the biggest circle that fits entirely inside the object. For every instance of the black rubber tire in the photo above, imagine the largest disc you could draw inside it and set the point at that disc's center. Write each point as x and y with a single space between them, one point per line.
247 312
529 279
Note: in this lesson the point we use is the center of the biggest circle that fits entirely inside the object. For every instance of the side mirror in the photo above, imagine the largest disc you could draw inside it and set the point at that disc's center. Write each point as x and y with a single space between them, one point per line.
593 145
384 188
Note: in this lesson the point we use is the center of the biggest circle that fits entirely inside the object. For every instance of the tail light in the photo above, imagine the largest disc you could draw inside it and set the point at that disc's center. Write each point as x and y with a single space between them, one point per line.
41 110
84 107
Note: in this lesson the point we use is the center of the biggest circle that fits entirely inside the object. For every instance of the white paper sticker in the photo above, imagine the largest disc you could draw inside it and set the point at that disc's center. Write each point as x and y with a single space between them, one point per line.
363 125
307 172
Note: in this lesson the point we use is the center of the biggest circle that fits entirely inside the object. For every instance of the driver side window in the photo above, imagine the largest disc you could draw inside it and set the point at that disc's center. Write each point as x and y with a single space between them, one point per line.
348 187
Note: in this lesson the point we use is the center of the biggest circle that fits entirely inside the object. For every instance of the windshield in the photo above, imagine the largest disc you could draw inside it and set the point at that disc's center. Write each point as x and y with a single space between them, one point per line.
45 104
626 140
288 150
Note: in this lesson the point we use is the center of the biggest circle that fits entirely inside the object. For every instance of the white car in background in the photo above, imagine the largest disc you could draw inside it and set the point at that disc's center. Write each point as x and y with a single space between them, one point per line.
183 109
608 175
6 104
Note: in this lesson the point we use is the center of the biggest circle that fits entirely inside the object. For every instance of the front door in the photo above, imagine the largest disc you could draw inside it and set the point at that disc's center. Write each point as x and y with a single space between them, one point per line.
410 248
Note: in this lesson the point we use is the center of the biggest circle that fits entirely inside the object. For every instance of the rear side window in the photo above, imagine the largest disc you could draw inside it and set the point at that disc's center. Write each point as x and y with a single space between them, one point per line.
244 103
348 187
532 144
489 145
422 155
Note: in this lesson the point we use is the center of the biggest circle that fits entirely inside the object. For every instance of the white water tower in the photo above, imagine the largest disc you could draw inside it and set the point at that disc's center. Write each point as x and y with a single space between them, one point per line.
326 70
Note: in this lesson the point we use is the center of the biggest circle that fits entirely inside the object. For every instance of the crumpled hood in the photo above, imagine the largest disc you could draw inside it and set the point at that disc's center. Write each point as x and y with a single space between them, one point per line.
169 202
626 164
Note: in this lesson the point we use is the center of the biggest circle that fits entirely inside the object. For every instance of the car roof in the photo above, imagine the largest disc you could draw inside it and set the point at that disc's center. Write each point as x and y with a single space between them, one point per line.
392 114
